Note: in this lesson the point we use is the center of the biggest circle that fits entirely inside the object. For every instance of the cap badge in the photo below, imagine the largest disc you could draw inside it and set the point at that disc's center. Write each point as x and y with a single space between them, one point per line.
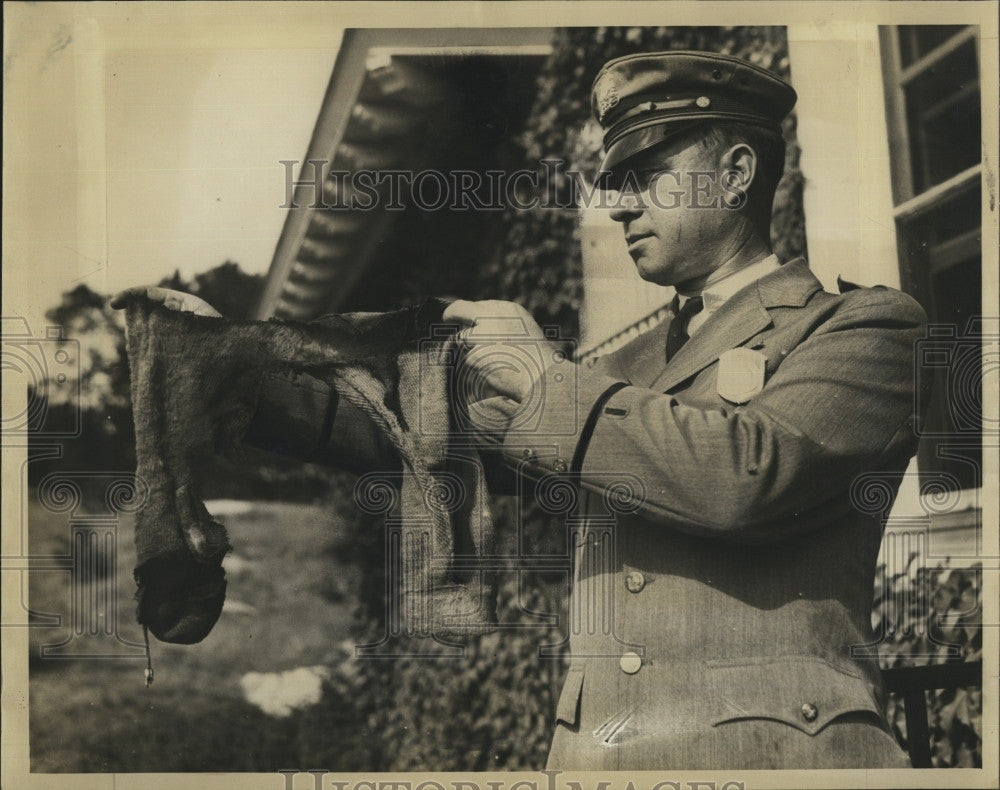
606 94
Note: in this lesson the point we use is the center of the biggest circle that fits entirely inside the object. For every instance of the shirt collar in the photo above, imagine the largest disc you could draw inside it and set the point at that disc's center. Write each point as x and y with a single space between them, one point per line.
715 294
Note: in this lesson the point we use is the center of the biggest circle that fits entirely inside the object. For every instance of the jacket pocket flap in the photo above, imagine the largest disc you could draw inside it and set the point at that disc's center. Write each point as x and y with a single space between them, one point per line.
806 692
568 708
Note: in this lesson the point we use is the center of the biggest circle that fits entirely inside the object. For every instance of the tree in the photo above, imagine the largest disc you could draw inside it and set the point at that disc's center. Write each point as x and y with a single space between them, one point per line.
99 334
94 337
229 289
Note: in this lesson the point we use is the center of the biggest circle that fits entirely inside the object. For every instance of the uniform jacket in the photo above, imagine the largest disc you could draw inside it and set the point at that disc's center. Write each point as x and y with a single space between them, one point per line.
723 578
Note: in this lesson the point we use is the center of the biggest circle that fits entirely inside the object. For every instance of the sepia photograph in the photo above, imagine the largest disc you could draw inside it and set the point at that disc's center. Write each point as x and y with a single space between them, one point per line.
500 395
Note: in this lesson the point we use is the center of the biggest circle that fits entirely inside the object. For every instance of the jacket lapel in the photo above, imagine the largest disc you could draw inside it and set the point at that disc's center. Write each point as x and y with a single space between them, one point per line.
641 360
736 321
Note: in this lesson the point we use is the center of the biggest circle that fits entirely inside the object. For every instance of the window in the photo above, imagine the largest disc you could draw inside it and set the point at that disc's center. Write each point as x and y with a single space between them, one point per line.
933 108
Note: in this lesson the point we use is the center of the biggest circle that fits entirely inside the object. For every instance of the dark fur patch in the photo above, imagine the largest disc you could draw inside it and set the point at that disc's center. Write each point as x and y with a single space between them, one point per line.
195 384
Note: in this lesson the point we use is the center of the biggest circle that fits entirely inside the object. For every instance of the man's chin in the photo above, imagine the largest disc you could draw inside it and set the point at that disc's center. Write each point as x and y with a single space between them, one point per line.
651 274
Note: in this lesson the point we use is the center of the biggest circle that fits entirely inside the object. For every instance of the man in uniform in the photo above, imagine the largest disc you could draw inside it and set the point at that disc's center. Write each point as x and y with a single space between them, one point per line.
725 609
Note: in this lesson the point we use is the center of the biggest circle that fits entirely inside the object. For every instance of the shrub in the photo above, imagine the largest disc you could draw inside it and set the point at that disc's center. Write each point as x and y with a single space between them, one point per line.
931 616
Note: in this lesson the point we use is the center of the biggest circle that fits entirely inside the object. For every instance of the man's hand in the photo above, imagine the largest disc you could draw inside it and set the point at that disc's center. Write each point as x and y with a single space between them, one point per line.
173 300
507 350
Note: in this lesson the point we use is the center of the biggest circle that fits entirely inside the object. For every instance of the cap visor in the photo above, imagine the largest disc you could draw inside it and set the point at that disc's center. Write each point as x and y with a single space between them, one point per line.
642 139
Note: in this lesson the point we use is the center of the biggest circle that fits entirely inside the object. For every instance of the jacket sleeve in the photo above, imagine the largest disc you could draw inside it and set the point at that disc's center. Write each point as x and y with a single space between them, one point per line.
840 403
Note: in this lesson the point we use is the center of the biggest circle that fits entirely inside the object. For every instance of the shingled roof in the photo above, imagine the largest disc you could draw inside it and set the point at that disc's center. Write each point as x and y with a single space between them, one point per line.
387 106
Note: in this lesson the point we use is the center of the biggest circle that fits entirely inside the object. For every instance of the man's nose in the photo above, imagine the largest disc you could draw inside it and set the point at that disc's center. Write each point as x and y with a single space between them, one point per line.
625 206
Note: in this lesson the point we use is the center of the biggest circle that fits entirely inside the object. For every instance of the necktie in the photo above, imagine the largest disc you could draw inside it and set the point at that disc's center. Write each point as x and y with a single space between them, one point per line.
677 334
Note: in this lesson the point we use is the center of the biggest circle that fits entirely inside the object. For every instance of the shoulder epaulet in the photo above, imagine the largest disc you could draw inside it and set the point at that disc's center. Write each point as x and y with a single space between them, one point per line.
846 285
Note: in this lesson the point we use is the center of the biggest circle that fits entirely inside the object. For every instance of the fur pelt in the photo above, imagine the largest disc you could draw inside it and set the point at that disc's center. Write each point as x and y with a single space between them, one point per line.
195 383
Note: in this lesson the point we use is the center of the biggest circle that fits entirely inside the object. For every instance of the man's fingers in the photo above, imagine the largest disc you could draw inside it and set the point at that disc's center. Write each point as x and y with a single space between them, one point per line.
477 336
152 292
501 404
498 370
465 312
122 298
173 300
460 311
491 417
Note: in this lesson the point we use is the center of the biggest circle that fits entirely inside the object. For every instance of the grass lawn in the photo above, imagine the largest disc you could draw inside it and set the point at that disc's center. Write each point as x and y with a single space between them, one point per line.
89 709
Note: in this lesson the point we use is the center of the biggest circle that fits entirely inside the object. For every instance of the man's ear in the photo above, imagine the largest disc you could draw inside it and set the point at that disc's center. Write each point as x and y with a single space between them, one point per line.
739 169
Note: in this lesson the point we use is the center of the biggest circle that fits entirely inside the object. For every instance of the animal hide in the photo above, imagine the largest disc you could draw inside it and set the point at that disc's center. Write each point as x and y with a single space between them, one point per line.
195 383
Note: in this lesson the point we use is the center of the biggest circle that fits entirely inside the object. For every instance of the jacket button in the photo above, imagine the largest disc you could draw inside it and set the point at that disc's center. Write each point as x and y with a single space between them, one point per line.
635 581
528 453
809 711
560 465
630 663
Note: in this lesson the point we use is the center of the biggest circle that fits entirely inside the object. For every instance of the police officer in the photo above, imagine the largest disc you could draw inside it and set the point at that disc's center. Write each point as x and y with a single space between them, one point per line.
734 600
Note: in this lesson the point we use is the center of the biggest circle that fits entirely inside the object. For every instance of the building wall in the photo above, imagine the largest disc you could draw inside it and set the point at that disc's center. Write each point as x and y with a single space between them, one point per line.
836 70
